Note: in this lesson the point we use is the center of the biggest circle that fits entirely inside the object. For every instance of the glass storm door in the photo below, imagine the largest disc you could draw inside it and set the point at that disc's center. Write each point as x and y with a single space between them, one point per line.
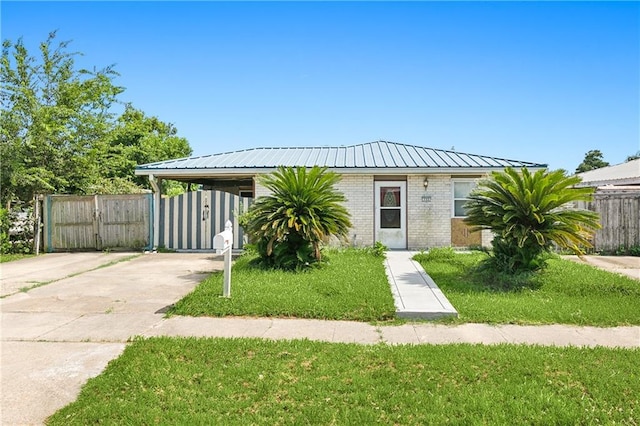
391 217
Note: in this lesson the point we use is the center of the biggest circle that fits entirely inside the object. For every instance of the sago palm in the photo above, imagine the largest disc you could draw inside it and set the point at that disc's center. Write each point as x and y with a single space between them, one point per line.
302 211
528 213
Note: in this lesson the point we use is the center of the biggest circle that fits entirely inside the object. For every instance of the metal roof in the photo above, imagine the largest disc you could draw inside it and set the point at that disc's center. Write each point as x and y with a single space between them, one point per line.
378 156
620 174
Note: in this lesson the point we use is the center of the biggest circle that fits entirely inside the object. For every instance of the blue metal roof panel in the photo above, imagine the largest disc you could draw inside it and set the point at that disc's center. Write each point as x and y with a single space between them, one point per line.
379 154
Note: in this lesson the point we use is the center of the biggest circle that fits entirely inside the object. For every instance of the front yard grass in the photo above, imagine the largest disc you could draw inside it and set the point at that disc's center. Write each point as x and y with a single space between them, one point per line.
351 286
252 381
564 293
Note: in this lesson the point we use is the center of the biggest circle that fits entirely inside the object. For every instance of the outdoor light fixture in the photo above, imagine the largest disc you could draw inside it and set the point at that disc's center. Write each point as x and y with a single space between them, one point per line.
426 183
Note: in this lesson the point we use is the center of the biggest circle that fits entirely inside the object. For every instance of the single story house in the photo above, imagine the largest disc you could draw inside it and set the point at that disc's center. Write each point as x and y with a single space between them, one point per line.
405 196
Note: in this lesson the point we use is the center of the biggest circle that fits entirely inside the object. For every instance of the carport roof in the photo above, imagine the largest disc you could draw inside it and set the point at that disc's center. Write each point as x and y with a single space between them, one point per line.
379 156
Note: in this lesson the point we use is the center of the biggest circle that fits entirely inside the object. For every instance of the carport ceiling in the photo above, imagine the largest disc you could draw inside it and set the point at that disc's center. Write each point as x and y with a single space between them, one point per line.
211 181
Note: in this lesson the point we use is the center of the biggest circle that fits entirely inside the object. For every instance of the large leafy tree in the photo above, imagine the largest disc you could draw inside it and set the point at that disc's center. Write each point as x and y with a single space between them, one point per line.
137 139
592 160
302 211
528 213
52 114
59 133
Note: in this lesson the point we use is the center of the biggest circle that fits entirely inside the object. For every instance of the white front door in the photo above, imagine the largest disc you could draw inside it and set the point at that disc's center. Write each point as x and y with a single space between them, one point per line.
391 215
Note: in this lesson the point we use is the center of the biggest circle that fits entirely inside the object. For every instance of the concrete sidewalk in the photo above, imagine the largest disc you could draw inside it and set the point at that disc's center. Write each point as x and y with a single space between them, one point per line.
416 295
411 333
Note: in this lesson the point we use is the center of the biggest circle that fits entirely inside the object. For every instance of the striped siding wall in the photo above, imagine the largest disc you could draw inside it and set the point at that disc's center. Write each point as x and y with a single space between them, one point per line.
189 221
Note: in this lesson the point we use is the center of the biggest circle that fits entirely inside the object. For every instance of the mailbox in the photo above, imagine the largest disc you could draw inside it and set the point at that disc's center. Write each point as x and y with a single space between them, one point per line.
223 241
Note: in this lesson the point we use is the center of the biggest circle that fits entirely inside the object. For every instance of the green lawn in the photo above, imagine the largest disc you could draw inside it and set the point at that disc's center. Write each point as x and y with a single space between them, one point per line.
565 293
250 381
352 286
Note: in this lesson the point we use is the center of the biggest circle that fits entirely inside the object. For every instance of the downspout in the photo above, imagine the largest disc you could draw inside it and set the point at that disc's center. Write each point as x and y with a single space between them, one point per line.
157 199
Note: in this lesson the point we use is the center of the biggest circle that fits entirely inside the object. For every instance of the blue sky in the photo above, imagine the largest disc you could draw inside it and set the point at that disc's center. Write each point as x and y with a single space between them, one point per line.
533 81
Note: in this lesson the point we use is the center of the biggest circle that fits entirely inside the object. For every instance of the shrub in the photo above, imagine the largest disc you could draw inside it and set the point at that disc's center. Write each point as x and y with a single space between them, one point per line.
303 211
5 225
528 213
16 231
437 253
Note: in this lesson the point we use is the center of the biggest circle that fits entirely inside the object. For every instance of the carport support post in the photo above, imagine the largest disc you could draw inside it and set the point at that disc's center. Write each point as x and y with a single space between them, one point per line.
157 199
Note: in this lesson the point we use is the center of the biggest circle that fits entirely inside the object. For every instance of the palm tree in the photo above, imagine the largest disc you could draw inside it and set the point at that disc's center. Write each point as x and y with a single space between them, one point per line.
302 211
528 213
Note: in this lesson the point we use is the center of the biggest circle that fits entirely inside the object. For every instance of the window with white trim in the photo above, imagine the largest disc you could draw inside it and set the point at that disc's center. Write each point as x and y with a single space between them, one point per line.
461 191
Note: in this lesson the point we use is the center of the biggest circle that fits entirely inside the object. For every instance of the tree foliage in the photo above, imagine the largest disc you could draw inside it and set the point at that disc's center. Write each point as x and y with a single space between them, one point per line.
138 139
592 160
51 115
633 157
527 213
59 133
303 210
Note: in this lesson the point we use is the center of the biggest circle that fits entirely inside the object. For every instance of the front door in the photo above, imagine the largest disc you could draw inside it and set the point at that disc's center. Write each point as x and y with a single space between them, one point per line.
391 215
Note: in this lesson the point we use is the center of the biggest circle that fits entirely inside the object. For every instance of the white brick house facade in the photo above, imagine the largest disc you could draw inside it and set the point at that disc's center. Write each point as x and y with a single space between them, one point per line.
406 194
428 212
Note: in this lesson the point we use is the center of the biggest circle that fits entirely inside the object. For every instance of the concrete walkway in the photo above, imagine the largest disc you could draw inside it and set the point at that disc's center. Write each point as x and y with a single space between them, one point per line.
416 295
57 336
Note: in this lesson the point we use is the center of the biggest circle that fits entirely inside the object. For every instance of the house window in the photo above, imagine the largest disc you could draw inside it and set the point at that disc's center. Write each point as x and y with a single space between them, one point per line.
461 191
390 207
248 193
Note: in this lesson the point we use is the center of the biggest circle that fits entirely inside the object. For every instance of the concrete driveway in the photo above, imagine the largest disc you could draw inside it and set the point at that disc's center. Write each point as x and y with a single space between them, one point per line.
58 335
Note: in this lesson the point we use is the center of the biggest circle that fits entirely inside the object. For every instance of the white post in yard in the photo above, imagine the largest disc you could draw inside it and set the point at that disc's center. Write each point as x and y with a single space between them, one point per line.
223 243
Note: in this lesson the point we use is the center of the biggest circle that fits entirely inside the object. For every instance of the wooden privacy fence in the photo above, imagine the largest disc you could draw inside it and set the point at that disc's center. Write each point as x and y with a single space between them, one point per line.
619 212
97 222
190 220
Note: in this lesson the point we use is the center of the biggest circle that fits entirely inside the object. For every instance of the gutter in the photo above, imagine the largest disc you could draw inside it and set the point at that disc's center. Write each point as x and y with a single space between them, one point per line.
340 170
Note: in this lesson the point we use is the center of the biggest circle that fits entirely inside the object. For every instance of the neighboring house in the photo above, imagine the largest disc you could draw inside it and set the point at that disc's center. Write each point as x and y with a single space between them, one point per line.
404 196
624 174
617 201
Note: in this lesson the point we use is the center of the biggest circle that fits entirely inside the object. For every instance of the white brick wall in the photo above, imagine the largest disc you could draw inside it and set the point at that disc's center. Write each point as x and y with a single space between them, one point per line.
358 189
428 222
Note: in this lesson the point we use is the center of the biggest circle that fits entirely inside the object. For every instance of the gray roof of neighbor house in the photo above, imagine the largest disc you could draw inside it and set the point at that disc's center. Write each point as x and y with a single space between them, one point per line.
377 157
620 174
